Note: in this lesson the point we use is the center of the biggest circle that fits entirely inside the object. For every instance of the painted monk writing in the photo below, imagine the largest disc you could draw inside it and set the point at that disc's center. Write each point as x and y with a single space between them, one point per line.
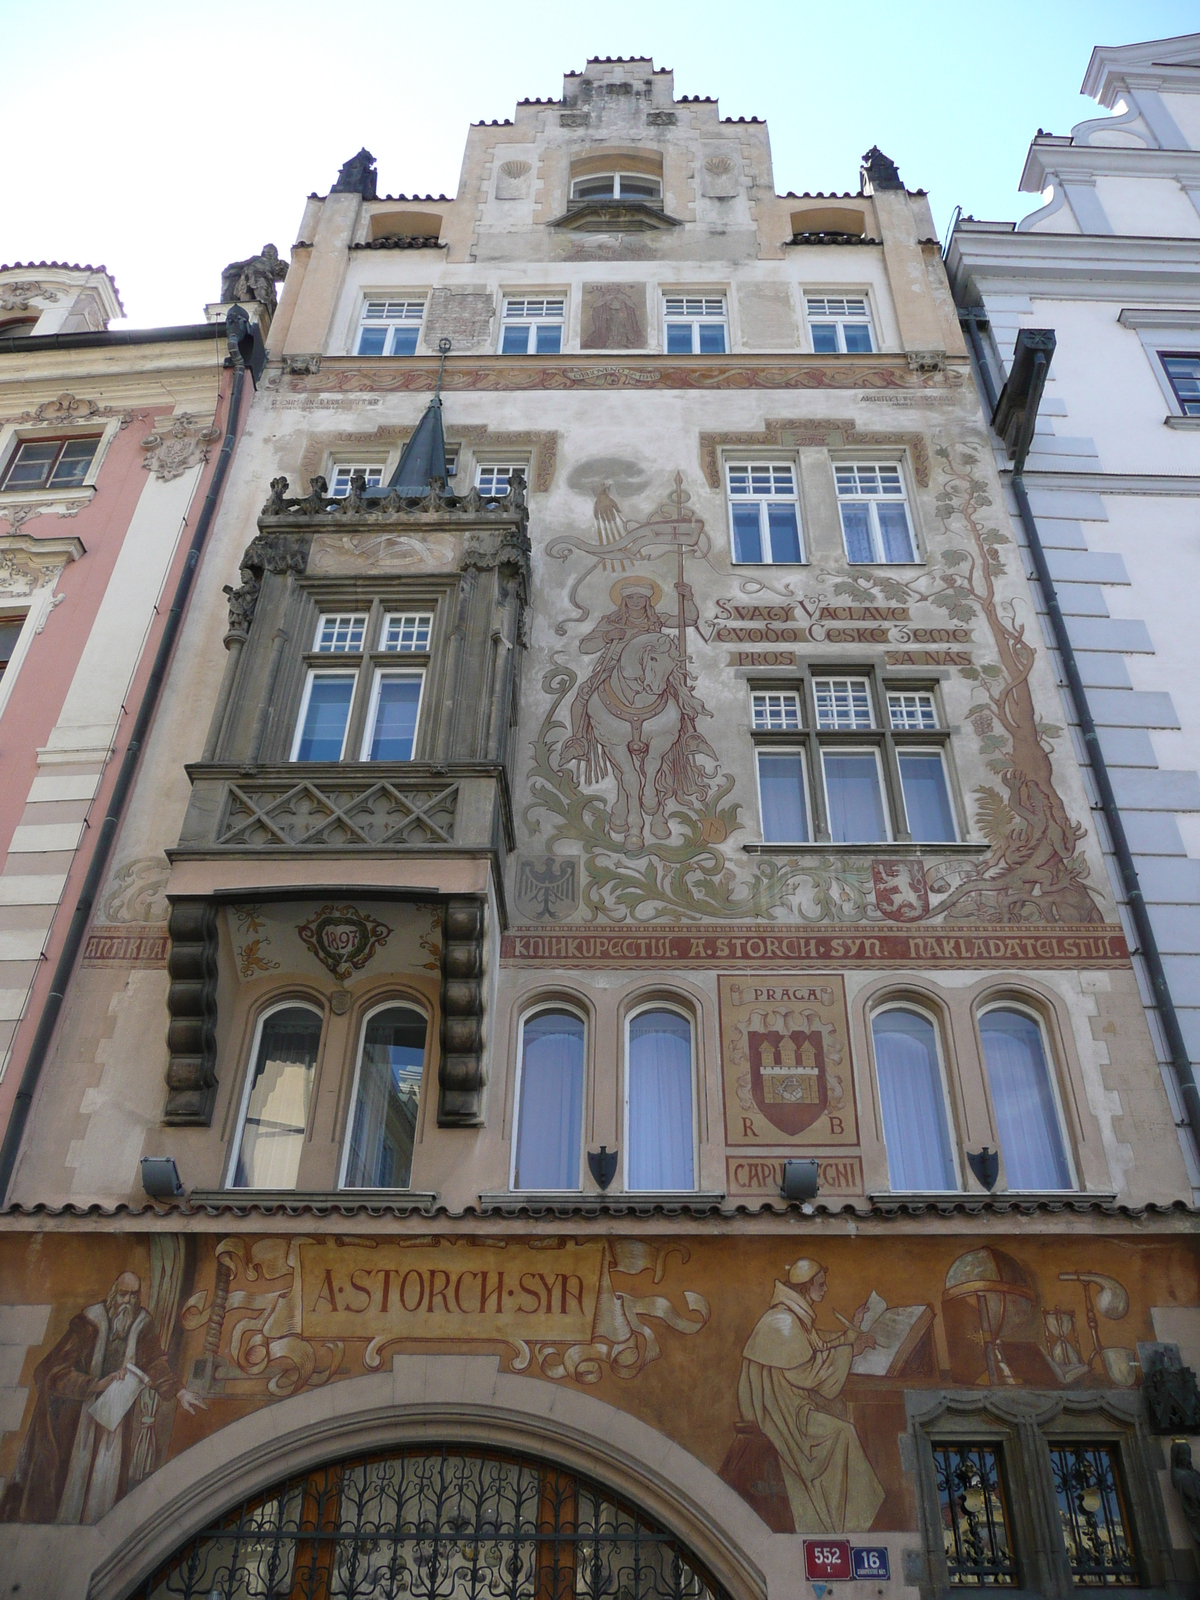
792 1375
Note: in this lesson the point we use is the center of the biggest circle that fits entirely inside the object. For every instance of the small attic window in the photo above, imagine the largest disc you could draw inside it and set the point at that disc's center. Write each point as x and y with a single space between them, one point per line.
406 225
829 219
617 186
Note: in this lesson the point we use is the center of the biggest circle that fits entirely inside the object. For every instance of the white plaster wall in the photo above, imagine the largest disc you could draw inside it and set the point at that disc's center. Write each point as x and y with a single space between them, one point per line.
1149 206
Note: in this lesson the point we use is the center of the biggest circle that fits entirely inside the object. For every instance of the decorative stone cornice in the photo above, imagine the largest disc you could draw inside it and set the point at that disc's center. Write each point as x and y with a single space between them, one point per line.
69 408
20 296
27 564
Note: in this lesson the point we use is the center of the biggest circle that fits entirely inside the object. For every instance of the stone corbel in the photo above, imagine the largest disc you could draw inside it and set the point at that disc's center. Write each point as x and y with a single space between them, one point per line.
460 1077
926 360
192 1004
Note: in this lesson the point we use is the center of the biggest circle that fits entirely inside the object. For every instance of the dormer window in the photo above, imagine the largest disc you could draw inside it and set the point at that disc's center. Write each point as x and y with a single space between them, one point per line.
616 186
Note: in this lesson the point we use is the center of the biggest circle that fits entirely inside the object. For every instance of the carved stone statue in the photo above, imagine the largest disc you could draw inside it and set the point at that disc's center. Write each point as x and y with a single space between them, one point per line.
879 171
357 176
254 279
1186 1481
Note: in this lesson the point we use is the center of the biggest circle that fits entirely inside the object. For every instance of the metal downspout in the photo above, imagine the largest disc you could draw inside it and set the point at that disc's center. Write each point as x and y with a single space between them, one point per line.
1148 944
107 832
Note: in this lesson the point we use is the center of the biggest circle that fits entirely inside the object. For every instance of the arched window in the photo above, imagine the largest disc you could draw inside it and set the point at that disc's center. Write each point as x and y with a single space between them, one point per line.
1027 1124
387 1095
659 1137
278 1092
550 1110
455 1523
913 1101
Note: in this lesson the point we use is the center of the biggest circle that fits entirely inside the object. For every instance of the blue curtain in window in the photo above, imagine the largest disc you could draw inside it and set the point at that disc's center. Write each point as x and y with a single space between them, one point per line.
659 1154
912 1101
1023 1099
551 1111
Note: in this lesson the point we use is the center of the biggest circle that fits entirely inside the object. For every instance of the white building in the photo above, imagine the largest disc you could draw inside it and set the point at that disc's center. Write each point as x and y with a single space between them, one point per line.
1111 263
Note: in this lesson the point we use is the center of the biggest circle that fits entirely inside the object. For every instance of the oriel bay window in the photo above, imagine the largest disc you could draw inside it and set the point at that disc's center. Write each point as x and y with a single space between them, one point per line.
830 768
275 1103
358 702
387 1094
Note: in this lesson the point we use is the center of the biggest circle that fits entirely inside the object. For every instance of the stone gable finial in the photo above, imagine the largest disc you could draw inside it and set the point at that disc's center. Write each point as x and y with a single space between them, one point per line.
878 172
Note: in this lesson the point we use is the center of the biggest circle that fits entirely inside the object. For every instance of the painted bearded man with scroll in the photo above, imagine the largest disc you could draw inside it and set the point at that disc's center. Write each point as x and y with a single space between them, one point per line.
792 1376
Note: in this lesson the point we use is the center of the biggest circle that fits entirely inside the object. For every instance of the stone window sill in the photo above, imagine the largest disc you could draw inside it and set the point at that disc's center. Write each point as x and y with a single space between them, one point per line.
883 848
1182 422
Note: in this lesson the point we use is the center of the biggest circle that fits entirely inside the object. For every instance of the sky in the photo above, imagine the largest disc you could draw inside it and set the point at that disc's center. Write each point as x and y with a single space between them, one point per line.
164 141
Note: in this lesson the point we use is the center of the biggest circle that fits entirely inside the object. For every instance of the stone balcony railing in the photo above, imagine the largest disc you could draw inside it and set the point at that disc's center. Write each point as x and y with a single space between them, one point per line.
329 808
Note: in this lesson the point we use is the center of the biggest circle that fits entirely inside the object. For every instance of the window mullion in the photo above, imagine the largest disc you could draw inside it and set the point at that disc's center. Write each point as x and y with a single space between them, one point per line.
901 832
352 751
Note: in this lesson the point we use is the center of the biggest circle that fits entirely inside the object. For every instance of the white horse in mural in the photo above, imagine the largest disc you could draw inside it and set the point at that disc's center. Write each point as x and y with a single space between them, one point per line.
635 724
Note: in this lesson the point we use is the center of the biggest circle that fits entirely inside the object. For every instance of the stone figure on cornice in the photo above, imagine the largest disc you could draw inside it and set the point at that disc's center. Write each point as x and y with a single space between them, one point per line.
254 279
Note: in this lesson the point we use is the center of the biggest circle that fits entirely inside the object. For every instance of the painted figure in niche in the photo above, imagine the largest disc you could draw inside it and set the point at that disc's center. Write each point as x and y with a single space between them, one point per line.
90 1440
617 321
791 1380
635 714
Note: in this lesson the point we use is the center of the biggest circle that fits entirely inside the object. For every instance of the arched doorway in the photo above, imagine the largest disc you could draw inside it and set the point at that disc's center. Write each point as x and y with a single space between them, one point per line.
428 1523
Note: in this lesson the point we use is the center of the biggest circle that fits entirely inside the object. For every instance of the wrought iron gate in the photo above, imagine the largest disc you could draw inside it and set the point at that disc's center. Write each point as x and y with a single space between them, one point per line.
448 1524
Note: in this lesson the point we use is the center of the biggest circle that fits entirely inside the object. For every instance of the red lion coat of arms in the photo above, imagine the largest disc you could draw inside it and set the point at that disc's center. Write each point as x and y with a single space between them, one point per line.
901 892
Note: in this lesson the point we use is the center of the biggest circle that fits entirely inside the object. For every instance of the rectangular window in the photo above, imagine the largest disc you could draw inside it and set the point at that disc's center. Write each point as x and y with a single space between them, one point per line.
532 327
390 327
843 703
695 325
764 510
339 485
854 796
339 634
875 522
1092 1516
324 713
10 632
406 632
783 799
775 710
492 481
50 464
841 324
975 1524
392 719
911 709
1183 374
927 796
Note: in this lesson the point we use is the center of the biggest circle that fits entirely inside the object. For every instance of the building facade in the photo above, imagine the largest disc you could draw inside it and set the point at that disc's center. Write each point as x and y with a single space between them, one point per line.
605 781
1110 263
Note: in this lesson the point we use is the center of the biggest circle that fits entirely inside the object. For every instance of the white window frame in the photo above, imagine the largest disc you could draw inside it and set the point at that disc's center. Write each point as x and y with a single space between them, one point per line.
324 672
926 695
1050 1056
396 1002
616 175
873 502
855 682
1166 331
373 706
689 1018
573 1009
744 464
14 435
371 471
510 466
709 319
839 749
405 319
533 320
383 649
769 726
906 749
340 616
839 320
939 1045
773 749
235 1149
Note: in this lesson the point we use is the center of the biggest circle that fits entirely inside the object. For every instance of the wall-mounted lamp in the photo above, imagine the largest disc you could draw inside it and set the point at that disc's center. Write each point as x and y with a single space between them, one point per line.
801 1180
160 1177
